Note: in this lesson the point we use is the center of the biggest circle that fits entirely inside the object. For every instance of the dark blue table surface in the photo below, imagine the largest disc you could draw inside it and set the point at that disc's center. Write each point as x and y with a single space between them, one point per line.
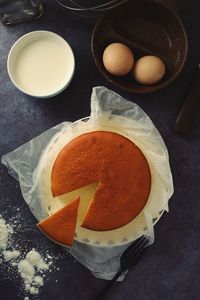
170 269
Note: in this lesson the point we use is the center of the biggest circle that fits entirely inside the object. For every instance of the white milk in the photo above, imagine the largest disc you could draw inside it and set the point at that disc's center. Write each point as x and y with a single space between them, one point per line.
41 66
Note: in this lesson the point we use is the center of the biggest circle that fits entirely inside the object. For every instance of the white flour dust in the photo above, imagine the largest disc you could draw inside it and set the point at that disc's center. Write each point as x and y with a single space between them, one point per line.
5 232
11 255
30 265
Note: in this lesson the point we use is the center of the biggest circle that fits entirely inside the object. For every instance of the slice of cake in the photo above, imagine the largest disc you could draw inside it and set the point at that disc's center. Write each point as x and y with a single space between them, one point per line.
60 227
120 168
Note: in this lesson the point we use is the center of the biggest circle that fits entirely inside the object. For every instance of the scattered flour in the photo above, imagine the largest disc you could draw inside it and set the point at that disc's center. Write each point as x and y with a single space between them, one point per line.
26 271
36 260
11 255
5 231
38 280
34 290
29 265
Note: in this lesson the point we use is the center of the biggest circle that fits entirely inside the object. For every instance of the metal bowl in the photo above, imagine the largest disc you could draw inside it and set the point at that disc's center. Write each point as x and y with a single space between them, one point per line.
90 8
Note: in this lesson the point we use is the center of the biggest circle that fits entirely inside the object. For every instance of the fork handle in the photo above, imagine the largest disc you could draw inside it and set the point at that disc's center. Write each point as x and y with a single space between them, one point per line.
108 286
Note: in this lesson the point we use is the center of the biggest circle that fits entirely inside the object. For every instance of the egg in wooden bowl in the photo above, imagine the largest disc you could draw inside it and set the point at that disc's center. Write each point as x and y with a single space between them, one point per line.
160 33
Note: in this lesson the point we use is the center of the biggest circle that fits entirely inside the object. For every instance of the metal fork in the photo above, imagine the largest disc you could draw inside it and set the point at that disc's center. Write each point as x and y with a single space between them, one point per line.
127 260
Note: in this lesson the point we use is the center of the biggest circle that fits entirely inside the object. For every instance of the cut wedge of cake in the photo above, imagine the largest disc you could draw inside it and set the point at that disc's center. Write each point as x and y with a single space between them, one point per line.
60 227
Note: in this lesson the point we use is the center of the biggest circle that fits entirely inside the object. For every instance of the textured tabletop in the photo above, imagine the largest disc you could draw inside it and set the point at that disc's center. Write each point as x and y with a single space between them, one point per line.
170 269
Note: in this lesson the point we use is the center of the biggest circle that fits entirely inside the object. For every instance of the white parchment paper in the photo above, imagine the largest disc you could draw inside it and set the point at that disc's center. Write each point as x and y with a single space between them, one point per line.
31 165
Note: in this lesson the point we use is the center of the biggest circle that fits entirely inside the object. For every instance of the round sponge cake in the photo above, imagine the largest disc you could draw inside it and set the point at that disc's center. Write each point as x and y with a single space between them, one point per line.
119 167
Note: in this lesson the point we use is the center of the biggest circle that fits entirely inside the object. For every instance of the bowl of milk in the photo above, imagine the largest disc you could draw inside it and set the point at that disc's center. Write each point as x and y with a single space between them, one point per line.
41 64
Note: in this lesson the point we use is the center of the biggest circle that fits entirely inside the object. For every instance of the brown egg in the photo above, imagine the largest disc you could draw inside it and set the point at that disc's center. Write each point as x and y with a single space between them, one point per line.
118 59
149 69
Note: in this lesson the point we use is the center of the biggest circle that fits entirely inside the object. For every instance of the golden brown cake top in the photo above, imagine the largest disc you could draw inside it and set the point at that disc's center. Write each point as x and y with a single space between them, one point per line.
120 168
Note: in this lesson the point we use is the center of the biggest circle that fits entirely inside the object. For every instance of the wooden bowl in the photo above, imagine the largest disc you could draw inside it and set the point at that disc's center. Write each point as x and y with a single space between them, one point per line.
147 28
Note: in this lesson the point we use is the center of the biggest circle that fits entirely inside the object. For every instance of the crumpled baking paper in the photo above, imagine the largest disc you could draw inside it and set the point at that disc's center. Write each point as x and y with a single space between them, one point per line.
31 165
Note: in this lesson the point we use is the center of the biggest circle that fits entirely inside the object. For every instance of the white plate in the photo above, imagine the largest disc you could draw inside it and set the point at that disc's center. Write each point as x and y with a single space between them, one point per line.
117 237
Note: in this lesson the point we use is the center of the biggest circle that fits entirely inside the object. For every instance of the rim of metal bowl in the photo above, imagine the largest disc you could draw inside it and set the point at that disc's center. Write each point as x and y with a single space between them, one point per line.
78 8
